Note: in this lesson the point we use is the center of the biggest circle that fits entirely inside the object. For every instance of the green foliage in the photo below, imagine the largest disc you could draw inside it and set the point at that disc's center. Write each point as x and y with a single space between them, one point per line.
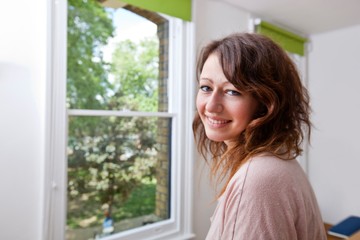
108 157
140 202
135 69
114 161
89 28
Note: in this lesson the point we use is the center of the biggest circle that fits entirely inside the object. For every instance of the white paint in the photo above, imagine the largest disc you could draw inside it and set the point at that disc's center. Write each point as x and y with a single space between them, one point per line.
22 121
334 158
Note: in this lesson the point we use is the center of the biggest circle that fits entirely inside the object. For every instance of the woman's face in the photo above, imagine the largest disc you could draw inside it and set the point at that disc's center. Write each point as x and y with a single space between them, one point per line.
223 109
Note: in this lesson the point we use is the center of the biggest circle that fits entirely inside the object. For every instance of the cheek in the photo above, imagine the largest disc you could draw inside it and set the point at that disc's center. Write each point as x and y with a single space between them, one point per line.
245 113
250 108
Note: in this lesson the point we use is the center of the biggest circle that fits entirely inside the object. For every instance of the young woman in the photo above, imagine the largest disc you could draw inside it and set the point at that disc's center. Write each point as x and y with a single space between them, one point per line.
252 116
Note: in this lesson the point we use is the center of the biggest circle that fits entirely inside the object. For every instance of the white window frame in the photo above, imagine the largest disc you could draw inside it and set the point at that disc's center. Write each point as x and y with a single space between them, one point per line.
181 105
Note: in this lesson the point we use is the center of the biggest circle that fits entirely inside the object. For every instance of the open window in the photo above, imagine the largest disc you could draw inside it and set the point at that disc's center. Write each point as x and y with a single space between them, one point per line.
120 122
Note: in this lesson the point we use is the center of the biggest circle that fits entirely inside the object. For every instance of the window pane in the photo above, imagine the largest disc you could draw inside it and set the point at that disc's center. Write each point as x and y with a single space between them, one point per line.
118 174
117 59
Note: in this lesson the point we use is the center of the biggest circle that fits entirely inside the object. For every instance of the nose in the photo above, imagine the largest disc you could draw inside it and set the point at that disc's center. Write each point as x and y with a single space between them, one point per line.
214 103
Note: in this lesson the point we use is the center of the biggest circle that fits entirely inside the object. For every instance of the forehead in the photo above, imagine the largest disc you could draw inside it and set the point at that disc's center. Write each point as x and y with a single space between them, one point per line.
212 70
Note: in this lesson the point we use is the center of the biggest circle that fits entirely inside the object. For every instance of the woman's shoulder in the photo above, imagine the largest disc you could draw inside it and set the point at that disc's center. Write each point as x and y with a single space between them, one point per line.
269 180
271 165
267 172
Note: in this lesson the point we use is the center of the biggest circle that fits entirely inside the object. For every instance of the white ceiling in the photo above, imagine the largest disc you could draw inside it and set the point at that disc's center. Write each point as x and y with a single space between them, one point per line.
304 16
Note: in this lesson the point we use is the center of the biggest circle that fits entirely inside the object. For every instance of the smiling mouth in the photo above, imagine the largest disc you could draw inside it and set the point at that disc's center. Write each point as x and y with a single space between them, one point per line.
217 122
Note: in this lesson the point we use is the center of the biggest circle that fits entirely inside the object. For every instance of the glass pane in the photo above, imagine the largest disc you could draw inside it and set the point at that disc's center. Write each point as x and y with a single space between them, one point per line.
117 59
118 174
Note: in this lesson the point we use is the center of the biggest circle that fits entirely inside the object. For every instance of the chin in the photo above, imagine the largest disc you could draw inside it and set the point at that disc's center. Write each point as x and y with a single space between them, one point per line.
215 138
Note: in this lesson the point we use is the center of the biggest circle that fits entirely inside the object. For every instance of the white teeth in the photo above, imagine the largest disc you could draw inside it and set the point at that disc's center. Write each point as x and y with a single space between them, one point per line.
213 121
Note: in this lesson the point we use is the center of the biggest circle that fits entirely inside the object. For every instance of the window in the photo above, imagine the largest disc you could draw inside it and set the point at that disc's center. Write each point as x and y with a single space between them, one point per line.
126 125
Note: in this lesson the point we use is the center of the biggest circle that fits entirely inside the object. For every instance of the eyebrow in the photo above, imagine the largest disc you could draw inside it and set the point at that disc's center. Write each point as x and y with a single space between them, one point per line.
212 81
206 79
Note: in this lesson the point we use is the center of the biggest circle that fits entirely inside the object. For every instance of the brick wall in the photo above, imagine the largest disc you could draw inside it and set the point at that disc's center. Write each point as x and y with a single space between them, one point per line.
164 125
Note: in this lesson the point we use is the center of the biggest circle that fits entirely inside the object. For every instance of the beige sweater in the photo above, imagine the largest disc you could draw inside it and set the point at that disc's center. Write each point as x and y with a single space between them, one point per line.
267 199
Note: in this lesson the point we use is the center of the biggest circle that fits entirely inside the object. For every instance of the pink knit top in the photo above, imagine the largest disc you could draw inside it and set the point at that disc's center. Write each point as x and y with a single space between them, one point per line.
267 199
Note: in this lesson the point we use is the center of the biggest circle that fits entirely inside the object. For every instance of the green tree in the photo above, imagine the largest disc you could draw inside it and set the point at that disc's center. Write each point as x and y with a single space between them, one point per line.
108 156
135 67
89 29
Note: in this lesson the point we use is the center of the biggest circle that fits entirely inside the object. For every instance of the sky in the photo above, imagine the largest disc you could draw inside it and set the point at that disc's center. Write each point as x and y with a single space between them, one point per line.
128 26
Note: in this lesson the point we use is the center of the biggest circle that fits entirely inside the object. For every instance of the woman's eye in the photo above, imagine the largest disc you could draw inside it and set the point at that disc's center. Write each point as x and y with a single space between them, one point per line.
233 93
205 88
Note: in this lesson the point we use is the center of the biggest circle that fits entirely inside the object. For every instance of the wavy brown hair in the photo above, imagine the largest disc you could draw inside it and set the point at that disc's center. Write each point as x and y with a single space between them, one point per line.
256 65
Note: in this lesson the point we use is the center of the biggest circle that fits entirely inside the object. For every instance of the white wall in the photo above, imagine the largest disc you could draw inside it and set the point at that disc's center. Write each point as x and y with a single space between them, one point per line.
213 20
216 19
22 117
334 158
